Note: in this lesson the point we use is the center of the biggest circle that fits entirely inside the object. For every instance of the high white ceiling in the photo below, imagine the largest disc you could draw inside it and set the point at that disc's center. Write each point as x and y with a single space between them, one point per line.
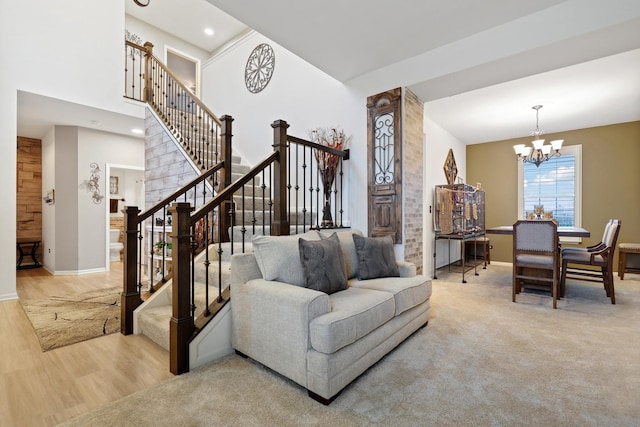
479 66
187 19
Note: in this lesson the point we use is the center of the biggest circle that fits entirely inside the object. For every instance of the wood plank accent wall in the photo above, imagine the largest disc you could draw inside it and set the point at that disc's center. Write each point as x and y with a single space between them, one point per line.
413 182
29 190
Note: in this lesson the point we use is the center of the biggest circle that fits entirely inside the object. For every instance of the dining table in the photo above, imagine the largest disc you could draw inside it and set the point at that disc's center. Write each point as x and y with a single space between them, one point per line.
563 231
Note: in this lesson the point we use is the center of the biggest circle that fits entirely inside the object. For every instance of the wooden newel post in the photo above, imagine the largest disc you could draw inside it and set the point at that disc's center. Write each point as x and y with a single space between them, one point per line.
148 92
130 298
280 225
225 177
181 326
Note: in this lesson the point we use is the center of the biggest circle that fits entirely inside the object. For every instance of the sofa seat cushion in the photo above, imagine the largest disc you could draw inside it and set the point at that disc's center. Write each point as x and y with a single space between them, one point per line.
408 292
354 313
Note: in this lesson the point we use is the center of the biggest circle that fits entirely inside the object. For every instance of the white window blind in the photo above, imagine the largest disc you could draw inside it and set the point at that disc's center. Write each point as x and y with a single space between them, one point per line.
556 185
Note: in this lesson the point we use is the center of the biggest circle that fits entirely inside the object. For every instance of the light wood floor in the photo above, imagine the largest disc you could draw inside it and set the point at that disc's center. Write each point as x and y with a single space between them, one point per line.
43 389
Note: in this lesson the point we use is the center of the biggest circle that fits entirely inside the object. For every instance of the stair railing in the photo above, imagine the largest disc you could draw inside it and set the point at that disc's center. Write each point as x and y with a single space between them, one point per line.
270 199
191 122
144 268
285 193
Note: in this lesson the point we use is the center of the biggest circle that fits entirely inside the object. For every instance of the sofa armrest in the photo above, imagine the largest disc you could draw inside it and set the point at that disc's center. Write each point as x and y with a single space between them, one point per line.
270 323
406 269
244 267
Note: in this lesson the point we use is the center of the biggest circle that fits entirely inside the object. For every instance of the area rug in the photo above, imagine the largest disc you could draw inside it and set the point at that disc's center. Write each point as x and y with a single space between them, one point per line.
68 319
481 361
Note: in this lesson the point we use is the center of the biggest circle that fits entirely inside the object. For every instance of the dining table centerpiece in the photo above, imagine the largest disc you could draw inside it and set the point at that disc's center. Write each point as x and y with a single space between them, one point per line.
336 139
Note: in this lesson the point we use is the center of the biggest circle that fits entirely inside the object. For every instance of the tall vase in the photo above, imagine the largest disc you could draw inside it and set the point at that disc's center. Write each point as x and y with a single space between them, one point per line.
328 176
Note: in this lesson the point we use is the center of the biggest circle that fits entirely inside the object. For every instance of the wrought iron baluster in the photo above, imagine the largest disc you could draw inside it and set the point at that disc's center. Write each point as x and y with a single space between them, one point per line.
192 263
304 186
297 188
140 253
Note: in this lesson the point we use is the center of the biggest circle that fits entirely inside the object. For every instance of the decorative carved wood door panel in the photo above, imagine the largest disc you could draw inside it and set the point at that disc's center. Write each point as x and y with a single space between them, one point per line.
384 164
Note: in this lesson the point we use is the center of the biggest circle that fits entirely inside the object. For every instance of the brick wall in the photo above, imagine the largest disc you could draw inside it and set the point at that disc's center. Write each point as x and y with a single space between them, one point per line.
413 109
166 167
29 190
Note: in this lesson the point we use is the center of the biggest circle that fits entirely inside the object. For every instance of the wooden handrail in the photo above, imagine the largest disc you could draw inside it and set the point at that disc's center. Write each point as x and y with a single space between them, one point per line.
149 212
340 153
228 192
149 51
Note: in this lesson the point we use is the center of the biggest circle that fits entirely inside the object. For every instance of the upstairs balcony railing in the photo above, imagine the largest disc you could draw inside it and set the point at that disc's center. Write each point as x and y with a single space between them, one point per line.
184 114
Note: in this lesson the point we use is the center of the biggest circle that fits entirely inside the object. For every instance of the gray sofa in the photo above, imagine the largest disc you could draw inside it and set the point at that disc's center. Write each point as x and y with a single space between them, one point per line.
321 341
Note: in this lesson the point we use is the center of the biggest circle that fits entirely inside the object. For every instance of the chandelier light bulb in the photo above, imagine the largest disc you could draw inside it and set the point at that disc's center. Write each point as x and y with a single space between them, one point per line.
538 152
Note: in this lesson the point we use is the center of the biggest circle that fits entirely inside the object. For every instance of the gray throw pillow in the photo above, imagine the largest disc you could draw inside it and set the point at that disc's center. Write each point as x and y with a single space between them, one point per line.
323 265
375 257
348 249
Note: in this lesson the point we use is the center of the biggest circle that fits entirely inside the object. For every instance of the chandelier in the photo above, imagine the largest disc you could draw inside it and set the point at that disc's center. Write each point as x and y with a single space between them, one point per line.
539 152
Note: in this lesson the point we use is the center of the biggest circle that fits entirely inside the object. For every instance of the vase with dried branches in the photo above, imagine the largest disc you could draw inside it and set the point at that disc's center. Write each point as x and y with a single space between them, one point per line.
328 164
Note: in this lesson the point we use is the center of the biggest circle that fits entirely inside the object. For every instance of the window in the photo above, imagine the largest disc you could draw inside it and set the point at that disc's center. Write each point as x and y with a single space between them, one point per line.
557 185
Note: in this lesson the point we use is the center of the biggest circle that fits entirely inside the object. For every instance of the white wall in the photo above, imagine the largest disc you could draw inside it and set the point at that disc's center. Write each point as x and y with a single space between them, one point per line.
48 210
437 144
298 93
65 242
74 228
130 187
102 148
162 40
65 49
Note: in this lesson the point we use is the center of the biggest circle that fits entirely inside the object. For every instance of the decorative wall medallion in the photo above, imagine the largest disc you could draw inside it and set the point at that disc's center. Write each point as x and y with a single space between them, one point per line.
259 68
450 168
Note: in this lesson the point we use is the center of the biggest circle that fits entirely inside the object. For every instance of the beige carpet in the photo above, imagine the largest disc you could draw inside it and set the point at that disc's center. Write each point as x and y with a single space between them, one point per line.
481 361
68 319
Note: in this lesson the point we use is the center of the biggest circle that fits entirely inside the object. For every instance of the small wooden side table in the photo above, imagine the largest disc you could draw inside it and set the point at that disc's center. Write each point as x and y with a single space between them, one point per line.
31 246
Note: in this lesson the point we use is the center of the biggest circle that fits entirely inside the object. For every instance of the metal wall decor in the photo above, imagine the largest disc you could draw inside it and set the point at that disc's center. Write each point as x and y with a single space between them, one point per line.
384 165
450 168
92 184
142 3
259 68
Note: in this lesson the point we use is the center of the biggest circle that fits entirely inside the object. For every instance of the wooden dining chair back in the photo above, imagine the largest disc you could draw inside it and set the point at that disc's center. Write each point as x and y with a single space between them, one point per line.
597 246
595 265
536 258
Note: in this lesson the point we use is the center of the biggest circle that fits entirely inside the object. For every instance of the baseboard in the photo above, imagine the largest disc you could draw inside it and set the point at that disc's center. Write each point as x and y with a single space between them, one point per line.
8 297
501 263
78 272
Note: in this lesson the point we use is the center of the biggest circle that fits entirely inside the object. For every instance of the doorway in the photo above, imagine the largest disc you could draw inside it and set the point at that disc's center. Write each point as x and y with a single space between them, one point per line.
186 68
126 188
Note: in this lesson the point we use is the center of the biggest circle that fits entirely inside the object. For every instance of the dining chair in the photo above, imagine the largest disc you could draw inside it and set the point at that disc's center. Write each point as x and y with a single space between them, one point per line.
579 264
591 248
536 259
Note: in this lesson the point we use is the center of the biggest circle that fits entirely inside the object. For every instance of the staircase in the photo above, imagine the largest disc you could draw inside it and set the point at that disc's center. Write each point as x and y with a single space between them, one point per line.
212 217
152 318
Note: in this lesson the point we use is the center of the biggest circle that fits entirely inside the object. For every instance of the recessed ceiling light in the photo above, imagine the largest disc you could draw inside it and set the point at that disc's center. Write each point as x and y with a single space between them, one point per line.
208 31
137 131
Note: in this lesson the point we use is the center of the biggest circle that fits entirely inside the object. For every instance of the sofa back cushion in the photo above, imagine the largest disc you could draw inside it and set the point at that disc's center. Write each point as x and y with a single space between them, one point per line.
348 249
323 265
278 257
